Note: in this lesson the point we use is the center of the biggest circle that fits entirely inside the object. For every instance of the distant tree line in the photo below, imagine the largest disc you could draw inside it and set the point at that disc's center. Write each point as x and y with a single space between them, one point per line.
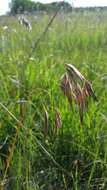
91 9
21 6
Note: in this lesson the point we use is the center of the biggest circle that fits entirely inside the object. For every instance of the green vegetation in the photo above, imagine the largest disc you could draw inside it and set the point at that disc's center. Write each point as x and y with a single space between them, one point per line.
21 6
45 157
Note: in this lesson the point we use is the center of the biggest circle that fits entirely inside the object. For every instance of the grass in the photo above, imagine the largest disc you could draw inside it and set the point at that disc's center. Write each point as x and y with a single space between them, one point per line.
64 158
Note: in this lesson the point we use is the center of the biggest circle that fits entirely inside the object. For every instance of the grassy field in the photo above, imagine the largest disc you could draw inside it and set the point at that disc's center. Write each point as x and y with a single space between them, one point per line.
36 154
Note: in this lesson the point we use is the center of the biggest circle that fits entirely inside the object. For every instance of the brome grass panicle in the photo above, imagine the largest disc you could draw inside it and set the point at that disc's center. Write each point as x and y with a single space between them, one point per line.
58 121
45 121
76 87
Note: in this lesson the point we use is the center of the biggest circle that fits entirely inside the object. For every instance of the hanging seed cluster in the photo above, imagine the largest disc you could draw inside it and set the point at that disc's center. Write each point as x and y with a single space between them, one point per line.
76 87
57 121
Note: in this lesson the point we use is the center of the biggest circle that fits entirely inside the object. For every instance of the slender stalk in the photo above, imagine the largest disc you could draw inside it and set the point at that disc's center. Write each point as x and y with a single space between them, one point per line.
22 107
45 30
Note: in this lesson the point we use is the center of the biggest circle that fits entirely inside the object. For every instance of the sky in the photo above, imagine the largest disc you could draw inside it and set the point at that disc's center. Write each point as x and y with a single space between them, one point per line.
77 3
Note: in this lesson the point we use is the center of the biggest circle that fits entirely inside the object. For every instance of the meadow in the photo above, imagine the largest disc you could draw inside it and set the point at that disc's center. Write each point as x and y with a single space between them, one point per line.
35 152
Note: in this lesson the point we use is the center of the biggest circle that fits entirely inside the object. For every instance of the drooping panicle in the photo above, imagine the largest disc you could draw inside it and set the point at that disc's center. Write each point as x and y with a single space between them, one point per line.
76 87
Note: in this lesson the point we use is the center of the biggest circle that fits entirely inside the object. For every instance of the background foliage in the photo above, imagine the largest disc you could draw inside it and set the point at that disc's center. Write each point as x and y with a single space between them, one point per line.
21 6
70 157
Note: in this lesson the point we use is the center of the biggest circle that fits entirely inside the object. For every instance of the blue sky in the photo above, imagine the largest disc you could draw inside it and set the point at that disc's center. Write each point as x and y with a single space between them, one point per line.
77 3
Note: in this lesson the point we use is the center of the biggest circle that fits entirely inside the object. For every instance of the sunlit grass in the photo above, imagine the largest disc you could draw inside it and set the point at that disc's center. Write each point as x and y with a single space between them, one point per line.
69 157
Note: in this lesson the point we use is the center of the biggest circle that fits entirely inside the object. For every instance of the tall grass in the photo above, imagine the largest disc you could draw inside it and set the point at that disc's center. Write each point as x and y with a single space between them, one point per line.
61 158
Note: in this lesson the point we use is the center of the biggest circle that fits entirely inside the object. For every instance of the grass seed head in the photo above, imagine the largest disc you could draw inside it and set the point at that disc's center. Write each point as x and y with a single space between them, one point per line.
66 87
45 121
75 86
58 121
80 101
89 90
74 74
